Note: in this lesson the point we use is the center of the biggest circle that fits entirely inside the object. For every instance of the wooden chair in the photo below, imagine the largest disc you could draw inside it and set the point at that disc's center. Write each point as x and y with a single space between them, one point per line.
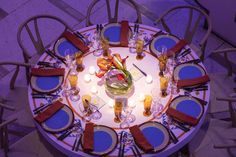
110 18
222 84
191 27
36 39
18 65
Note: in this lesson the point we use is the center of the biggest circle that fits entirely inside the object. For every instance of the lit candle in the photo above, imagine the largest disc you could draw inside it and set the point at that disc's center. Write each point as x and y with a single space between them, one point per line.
149 79
94 90
92 70
111 103
131 104
87 78
141 97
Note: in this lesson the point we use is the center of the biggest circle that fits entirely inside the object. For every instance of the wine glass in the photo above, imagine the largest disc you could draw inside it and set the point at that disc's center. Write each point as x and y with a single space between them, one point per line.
157 106
97 44
73 78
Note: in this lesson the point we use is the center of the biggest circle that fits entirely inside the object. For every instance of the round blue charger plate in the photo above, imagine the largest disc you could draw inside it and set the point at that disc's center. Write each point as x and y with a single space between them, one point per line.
188 71
105 140
156 134
167 41
46 84
62 45
60 121
112 33
188 105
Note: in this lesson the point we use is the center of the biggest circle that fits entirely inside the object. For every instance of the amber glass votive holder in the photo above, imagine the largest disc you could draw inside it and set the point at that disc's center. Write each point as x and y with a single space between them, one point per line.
147 105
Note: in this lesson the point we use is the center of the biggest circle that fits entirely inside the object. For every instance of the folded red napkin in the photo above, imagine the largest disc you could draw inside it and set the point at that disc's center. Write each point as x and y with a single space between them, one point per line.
88 137
181 116
140 139
52 109
177 48
47 72
75 41
192 82
124 33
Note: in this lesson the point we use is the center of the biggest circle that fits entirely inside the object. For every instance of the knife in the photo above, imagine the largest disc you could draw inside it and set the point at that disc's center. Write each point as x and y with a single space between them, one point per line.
138 152
185 52
180 125
139 69
50 53
195 61
172 136
67 132
121 143
155 35
133 151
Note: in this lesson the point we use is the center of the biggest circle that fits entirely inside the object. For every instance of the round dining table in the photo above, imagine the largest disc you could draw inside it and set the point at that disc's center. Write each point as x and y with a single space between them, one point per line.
89 84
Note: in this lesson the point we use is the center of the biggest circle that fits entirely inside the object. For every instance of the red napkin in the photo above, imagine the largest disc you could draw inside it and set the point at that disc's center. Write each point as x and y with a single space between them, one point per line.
75 41
88 137
124 33
52 109
47 72
140 139
192 82
181 116
177 48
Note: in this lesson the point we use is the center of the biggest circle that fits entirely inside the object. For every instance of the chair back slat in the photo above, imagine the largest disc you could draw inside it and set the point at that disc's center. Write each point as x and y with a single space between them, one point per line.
114 18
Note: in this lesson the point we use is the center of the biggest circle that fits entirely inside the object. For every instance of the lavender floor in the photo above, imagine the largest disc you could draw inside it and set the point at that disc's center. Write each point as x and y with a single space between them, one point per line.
14 12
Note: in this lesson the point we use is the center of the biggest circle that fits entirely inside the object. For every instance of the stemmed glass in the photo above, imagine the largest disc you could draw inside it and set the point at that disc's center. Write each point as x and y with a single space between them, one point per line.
157 106
132 42
66 89
129 117
97 44
73 78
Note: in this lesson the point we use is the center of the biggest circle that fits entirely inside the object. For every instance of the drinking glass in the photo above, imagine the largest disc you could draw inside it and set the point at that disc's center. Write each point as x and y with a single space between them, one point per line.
139 49
117 110
105 47
157 106
79 62
97 43
68 58
163 85
147 105
73 78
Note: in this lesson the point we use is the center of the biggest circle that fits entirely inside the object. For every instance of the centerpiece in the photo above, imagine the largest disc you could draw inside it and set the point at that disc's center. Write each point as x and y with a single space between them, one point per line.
118 80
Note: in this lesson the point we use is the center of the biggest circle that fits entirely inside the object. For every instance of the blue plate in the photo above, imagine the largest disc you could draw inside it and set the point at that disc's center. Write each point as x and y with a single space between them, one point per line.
62 45
188 105
60 121
105 140
167 41
188 71
112 32
156 134
46 84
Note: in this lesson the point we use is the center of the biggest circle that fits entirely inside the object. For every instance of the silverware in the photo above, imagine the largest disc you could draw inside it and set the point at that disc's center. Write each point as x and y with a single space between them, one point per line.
137 151
179 125
120 153
76 142
155 35
84 38
195 61
41 108
53 55
74 127
173 138
134 151
139 69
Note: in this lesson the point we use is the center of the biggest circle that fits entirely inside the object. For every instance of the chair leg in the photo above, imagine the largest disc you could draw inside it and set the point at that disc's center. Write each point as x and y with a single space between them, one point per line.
1 130
5 143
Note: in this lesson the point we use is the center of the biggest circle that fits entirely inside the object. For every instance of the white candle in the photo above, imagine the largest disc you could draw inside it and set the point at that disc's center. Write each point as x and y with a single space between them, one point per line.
111 103
149 79
92 70
94 90
131 104
87 78
141 97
